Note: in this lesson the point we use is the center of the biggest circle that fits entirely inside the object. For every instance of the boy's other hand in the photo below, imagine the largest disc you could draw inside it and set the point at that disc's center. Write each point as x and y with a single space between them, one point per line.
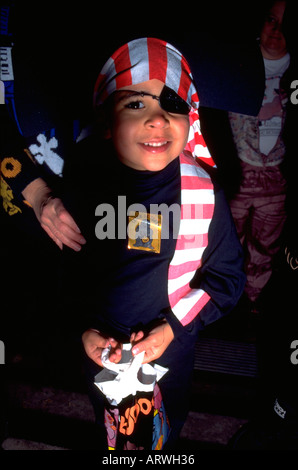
154 344
94 342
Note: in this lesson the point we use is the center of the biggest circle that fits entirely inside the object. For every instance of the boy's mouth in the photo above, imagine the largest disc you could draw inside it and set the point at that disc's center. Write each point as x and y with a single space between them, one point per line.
155 147
155 144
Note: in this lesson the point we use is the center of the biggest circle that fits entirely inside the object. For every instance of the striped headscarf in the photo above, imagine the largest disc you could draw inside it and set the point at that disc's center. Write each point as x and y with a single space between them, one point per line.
145 59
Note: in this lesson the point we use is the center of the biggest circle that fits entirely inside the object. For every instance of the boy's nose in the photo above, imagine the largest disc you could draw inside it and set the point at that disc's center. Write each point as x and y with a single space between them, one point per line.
157 119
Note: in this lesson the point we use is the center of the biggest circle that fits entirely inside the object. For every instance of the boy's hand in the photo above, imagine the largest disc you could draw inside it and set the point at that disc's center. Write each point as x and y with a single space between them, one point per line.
154 344
94 342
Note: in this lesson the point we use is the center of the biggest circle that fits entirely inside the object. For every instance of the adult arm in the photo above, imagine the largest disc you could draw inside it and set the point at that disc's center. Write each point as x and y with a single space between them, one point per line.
22 176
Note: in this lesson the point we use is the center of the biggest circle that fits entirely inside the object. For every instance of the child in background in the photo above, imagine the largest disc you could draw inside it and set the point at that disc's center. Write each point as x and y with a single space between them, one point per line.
149 151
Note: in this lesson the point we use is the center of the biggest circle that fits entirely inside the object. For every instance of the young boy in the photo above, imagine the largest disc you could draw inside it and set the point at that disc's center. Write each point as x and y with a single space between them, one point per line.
155 288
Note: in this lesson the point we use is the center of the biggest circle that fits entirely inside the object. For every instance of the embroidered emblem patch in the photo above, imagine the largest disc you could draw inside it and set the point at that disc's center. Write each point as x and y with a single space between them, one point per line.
144 231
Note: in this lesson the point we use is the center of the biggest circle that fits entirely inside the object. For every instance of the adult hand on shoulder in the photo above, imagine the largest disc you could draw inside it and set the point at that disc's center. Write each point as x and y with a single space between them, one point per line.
59 224
154 344
52 215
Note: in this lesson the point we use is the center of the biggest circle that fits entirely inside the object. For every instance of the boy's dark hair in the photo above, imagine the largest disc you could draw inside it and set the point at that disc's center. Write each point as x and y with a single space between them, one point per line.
103 116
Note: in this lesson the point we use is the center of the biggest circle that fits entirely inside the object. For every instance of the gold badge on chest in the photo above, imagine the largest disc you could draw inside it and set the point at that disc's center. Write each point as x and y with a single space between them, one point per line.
144 231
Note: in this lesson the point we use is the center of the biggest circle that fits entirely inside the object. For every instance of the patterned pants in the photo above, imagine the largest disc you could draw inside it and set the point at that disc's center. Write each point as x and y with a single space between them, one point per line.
259 214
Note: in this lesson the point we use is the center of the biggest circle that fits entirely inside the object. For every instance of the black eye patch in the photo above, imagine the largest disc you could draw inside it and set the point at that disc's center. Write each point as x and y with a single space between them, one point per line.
173 103
168 99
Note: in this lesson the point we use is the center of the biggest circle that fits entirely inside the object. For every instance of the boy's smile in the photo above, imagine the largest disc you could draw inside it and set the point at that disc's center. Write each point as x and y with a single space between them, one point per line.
145 136
156 146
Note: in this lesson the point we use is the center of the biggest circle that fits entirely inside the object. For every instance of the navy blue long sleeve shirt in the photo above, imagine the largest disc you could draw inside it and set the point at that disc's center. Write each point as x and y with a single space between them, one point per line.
126 289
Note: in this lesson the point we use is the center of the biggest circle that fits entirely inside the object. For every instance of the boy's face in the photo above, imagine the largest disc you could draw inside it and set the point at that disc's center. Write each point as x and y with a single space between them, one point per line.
145 136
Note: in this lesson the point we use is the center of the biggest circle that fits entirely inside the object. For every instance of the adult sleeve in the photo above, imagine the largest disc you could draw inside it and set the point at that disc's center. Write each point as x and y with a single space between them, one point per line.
17 167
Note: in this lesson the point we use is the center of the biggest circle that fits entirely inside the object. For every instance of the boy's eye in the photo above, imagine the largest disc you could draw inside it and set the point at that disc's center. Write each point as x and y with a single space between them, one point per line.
136 104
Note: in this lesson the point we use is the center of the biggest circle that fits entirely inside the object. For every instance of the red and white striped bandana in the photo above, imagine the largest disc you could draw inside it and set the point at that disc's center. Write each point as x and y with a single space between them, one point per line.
146 59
